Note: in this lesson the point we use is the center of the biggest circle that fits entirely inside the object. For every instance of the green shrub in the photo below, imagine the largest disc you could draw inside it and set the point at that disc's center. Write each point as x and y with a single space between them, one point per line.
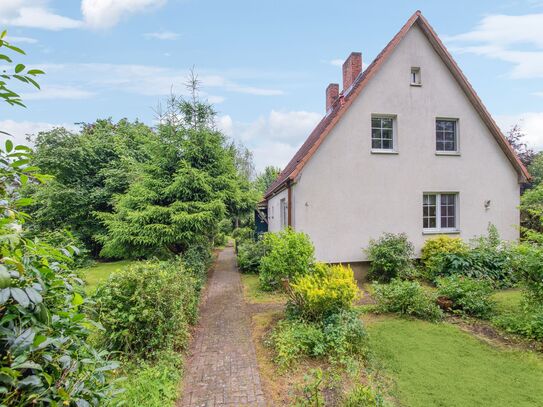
311 392
406 298
487 258
220 239
289 255
65 239
146 308
363 396
528 262
389 255
527 322
435 246
294 339
340 337
250 253
151 384
241 235
197 260
469 296
47 357
345 336
328 290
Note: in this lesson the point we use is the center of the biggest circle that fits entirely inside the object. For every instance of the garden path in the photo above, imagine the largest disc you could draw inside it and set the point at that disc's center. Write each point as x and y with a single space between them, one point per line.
222 369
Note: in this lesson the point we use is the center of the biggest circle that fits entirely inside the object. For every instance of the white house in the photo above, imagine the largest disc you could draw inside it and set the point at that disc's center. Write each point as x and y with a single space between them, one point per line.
406 146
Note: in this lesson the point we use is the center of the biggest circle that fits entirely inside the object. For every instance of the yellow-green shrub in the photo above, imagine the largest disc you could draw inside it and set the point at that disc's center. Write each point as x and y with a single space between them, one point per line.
326 291
438 245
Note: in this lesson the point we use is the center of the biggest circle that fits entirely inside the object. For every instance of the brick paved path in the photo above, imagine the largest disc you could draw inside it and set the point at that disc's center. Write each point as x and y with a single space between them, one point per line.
222 368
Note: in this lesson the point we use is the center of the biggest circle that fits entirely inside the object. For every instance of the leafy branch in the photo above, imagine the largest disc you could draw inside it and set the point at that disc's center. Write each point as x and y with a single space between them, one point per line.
20 73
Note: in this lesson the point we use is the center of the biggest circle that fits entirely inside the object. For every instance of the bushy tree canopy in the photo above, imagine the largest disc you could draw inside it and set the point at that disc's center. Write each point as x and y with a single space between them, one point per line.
266 178
88 169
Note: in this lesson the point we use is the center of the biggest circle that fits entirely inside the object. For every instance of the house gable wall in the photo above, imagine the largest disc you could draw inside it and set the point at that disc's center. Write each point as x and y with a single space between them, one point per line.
345 195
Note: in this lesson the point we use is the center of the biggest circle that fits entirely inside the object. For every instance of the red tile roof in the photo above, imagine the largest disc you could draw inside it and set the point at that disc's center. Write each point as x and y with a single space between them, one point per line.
340 106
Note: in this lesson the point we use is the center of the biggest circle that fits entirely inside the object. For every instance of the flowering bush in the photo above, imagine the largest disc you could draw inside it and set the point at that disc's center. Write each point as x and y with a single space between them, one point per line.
328 290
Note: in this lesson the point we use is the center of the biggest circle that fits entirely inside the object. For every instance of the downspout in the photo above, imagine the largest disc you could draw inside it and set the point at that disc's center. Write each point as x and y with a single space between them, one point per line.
289 207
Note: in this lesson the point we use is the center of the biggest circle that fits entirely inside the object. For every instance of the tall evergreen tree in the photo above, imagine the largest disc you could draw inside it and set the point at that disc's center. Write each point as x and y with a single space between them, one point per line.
179 198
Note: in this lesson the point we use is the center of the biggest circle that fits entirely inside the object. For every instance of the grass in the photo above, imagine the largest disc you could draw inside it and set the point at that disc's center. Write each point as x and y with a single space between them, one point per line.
507 300
98 272
439 365
151 384
253 294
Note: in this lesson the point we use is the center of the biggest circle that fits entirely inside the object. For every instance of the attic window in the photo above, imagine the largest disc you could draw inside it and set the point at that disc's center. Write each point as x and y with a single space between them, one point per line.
415 76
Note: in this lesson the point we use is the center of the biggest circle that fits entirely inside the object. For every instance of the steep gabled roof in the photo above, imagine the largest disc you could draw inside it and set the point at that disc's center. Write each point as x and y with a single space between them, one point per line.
340 106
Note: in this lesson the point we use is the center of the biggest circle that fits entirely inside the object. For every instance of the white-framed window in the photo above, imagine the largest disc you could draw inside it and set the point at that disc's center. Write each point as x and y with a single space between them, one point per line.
284 212
415 76
440 211
446 135
383 133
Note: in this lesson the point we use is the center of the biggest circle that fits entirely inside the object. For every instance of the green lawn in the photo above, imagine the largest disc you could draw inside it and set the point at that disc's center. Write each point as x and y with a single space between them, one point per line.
507 300
439 365
100 271
254 294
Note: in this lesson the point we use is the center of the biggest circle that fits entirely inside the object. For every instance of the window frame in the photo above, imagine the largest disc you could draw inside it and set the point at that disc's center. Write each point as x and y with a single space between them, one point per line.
283 210
416 76
438 229
394 139
456 122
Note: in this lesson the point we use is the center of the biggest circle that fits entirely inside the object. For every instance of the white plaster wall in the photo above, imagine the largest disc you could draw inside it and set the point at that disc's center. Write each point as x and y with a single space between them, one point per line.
345 195
274 211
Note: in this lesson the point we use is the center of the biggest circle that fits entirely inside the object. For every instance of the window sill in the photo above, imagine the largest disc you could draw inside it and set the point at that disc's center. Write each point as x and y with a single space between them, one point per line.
449 153
377 151
441 232
418 85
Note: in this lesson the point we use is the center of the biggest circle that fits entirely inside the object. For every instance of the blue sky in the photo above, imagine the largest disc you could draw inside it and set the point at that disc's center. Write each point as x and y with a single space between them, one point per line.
264 65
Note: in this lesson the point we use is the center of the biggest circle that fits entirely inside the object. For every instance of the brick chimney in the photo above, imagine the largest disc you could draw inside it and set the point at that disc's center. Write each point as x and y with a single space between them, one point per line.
351 68
332 93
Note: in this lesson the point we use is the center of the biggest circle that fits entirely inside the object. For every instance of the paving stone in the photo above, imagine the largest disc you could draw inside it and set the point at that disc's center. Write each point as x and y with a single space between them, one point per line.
221 368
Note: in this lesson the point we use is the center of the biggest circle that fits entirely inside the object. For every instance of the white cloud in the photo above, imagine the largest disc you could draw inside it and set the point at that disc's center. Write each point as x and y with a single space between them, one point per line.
20 40
507 30
34 14
531 124
162 35
273 138
145 80
57 92
213 99
496 35
107 13
336 62
95 13
19 130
